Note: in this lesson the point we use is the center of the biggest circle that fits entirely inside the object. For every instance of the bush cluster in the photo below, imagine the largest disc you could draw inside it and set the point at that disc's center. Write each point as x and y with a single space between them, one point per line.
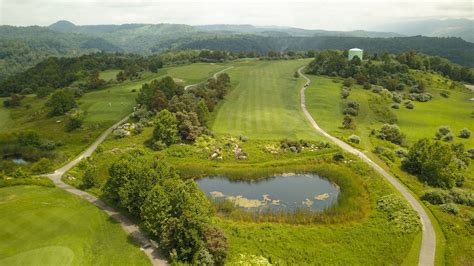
174 211
391 133
399 212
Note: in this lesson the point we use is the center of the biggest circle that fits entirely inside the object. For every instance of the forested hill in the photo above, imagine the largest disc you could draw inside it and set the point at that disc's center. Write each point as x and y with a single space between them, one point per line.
23 47
454 49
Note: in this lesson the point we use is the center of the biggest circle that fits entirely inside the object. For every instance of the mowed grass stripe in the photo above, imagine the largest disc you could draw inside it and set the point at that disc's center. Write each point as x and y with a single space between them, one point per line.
264 102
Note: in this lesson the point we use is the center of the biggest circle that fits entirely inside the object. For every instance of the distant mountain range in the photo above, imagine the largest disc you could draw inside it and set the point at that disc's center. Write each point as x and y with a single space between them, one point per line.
462 28
289 31
23 47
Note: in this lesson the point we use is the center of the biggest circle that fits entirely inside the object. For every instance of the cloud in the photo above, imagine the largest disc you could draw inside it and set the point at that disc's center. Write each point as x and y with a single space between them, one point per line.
336 14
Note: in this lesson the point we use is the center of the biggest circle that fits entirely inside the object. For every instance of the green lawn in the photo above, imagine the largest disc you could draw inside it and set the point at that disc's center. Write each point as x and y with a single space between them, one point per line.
110 74
47 226
325 105
264 102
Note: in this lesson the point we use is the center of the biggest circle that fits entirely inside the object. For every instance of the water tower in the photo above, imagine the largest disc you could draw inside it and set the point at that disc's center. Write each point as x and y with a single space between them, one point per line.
355 52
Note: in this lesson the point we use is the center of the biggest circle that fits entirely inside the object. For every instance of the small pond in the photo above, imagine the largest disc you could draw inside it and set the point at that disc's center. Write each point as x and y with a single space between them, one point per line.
287 192
19 161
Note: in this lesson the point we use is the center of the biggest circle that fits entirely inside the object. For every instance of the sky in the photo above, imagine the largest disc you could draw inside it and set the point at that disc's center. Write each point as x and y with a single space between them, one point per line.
329 15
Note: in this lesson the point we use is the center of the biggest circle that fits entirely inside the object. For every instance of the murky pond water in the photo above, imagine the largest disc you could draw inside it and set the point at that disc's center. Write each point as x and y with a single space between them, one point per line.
286 192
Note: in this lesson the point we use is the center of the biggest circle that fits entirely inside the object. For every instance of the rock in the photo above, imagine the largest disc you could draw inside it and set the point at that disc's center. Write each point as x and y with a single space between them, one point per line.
242 157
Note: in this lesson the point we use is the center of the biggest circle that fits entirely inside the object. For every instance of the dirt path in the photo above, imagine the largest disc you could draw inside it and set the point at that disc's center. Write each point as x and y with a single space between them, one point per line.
428 242
214 76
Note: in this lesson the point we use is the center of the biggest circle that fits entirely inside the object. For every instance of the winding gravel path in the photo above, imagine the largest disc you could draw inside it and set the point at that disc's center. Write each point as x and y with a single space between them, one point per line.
428 242
148 246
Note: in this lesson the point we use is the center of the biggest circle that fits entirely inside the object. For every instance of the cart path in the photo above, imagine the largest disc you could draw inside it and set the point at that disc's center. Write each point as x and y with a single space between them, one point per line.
146 244
428 242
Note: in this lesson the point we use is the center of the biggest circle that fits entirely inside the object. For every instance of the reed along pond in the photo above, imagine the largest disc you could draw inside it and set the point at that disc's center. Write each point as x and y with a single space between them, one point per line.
287 192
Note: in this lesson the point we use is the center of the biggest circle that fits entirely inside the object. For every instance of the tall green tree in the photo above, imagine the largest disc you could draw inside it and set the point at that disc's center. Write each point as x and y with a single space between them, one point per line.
166 130
435 163
61 101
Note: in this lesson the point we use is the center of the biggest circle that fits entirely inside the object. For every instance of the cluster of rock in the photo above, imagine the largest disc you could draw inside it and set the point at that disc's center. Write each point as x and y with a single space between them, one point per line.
239 153
216 155
124 130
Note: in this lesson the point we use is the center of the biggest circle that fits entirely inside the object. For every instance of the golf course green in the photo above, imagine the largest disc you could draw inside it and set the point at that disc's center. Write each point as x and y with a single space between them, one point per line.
47 226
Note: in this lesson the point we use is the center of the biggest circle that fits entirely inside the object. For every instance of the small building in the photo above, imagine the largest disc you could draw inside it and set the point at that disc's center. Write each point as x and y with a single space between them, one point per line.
355 52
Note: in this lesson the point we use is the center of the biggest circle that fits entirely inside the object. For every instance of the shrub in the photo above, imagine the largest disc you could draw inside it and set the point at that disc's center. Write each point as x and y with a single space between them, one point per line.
399 213
90 179
444 130
409 105
450 208
461 196
338 156
391 133
344 93
350 111
397 98
354 139
367 86
44 165
348 82
28 138
420 97
445 93
42 92
464 133
121 133
74 122
395 106
348 122
20 173
436 196
470 153
448 137
354 105
216 243
401 153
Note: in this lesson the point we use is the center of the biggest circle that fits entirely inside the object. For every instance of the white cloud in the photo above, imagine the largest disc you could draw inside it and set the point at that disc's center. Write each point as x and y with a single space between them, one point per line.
336 14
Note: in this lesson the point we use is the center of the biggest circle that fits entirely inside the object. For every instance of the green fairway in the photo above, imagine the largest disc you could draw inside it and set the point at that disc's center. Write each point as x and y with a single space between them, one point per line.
47 226
264 102
110 74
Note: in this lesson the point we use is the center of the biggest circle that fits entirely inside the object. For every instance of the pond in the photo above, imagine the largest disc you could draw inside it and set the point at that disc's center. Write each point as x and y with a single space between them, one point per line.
19 161
287 192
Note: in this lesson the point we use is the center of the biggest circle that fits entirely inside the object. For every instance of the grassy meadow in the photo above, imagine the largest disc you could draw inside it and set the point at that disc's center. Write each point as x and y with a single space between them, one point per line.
325 105
47 226
355 231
